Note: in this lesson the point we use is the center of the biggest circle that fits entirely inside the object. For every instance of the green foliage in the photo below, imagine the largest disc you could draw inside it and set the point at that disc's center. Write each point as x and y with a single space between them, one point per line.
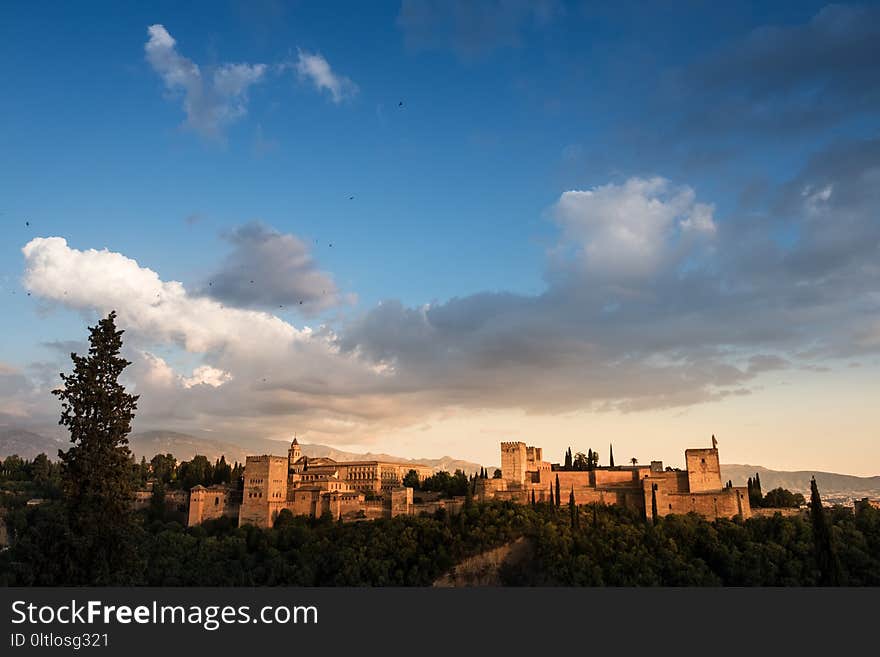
455 485
827 559
782 498
96 471
164 467
412 480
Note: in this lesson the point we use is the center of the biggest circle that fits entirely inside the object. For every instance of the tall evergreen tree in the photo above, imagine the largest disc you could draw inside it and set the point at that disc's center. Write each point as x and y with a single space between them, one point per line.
757 484
589 459
654 503
572 509
558 502
551 494
611 455
96 470
826 556
533 497
568 459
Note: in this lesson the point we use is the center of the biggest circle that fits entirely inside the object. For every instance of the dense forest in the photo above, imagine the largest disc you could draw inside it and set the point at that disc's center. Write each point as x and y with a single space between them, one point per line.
594 546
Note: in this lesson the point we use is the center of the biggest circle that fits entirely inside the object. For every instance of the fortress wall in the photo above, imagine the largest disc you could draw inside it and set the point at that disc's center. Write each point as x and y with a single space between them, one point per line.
725 503
604 477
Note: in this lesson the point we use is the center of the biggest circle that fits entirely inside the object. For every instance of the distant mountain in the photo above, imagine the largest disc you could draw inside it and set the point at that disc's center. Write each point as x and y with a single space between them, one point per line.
443 463
829 483
28 444
184 446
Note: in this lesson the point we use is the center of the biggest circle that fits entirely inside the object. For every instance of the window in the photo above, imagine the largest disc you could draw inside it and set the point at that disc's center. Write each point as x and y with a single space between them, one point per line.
216 501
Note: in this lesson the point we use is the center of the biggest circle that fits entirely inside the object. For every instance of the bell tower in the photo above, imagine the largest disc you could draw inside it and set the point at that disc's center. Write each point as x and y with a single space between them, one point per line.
294 453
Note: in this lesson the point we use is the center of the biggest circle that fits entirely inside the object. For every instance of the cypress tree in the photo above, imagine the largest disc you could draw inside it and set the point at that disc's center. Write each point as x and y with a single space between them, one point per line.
611 454
654 502
533 498
826 556
551 494
589 459
558 502
758 485
568 459
95 471
572 508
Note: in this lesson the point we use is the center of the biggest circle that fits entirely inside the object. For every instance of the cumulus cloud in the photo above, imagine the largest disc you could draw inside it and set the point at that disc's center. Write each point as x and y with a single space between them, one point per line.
254 372
314 68
211 102
631 229
269 269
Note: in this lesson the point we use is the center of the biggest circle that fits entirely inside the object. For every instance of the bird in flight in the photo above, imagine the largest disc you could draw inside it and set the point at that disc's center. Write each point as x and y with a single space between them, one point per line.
351 198
27 223
400 104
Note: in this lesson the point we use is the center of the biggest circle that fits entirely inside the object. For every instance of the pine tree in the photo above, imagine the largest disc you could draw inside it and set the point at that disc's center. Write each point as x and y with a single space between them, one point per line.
826 556
558 502
96 471
611 455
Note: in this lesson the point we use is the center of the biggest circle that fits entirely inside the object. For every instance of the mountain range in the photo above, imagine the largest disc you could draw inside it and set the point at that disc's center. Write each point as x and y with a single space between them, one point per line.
28 444
183 446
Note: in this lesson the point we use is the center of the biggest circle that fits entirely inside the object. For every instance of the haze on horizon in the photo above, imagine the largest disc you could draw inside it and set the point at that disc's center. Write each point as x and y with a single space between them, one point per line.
433 226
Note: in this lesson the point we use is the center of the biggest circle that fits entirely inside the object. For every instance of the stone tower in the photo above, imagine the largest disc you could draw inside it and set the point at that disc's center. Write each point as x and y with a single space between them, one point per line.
513 462
294 453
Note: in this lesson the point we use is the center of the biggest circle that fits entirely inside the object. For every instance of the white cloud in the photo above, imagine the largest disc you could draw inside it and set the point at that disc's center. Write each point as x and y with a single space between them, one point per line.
210 104
105 280
630 230
314 67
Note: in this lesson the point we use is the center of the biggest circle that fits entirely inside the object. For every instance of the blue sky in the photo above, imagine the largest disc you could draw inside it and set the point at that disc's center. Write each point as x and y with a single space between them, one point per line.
459 192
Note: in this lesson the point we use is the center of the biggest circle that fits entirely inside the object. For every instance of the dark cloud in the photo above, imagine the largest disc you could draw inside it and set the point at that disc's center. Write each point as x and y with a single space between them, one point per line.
471 28
268 269
787 79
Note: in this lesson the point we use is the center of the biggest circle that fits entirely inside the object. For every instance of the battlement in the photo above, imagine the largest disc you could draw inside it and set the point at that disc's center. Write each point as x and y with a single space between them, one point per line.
512 446
264 458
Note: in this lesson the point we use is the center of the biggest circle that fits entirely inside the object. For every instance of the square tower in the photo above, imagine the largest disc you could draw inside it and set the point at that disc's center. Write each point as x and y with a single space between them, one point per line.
265 490
513 462
703 469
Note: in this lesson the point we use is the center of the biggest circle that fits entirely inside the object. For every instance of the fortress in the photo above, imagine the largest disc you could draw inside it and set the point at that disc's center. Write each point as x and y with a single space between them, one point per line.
363 490
350 490
651 489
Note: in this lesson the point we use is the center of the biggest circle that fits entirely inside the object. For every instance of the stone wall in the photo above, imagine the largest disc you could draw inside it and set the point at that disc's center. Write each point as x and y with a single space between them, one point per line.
211 503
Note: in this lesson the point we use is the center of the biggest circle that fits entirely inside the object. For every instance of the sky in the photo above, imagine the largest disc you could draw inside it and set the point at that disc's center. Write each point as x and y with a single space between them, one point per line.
425 227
